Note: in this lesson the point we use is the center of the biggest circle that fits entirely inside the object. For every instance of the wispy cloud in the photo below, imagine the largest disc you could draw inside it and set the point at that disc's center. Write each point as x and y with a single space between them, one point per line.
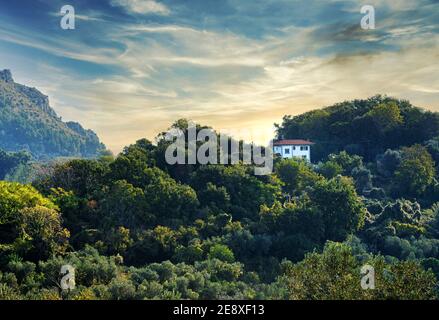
142 6
244 64
88 16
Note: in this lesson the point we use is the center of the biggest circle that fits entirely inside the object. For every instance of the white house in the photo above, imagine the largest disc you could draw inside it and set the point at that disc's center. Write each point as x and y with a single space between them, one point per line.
293 148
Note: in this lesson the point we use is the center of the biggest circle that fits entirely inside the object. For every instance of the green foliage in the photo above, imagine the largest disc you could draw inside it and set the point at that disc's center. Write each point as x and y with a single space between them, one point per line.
41 233
131 165
30 224
388 162
29 123
346 161
123 204
247 192
142 229
330 169
82 177
341 209
386 116
215 197
296 175
433 148
90 267
336 275
170 200
10 160
15 197
416 171
222 253
365 127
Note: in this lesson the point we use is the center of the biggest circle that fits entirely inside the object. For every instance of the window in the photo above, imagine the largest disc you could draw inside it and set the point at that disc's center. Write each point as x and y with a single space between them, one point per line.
287 150
303 148
294 148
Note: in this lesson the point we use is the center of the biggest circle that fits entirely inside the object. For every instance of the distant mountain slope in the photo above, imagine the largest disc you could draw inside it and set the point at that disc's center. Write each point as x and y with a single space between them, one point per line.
364 127
27 122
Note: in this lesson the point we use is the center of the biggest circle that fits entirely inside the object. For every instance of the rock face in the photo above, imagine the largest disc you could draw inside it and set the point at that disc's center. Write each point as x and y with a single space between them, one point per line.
37 98
27 122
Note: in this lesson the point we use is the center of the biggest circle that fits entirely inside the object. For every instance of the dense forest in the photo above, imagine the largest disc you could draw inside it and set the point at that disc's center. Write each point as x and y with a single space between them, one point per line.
28 123
363 127
134 227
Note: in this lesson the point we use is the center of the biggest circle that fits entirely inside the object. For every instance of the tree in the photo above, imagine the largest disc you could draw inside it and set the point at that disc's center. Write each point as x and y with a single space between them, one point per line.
365 127
10 160
215 197
247 192
433 148
388 162
118 240
169 201
415 172
330 169
386 115
293 228
362 178
342 211
346 161
221 252
125 205
40 233
131 165
15 197
91 268
296 175
336 274
30 224
83 177
143 229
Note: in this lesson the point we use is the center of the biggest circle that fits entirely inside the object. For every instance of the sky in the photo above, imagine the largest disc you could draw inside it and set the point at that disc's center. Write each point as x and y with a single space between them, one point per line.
130 68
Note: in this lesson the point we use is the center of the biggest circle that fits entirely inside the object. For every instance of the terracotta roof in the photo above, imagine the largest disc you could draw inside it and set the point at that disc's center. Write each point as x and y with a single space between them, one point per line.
292 142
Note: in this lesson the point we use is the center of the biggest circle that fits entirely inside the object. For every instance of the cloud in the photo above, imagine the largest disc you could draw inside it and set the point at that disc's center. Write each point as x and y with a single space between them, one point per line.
124 86
88 16
142 6
57 45
214 70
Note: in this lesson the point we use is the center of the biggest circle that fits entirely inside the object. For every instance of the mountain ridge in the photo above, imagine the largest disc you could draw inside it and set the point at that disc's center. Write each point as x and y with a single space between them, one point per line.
28 122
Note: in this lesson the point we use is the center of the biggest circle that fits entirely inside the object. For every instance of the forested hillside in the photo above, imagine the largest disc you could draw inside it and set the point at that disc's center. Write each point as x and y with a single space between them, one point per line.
135 227
364 127
28 123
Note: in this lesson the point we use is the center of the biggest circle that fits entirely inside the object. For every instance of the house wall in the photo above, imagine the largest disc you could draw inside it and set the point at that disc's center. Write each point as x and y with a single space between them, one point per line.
290 151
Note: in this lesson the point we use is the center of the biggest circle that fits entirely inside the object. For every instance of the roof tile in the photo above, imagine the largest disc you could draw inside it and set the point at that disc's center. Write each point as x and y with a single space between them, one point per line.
288 142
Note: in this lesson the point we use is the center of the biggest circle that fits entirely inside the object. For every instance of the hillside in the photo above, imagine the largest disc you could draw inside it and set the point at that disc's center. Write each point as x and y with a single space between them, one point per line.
27 122
364 127
136 227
